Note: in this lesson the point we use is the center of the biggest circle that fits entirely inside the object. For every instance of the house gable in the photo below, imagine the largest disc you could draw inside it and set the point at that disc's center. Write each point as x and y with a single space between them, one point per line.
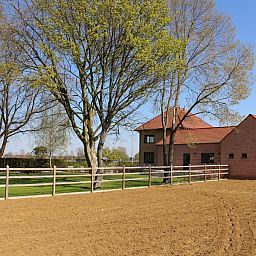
249 120
191 122
238 149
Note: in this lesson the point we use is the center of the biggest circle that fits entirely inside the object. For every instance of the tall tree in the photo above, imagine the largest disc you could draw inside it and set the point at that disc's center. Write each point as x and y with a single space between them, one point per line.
215 69
19 102
53 131
98 58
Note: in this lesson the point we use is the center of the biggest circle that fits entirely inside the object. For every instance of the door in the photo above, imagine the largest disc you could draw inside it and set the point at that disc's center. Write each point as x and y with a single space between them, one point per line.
186 159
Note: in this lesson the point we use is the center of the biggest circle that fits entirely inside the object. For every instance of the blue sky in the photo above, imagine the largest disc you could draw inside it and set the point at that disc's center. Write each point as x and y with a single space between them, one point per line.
244 19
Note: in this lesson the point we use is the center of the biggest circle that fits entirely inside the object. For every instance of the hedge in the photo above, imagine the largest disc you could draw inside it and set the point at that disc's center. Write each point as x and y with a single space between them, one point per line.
31 162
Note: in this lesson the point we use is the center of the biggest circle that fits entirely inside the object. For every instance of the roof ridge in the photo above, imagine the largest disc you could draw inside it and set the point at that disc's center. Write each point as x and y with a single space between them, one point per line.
191 121
213 127
198 117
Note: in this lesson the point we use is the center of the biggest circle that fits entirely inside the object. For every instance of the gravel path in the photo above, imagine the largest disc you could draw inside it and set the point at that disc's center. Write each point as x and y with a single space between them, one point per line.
213 219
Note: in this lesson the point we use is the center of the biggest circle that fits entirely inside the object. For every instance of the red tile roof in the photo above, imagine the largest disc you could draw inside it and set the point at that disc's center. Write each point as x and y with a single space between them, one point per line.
191 122
254 116
203 135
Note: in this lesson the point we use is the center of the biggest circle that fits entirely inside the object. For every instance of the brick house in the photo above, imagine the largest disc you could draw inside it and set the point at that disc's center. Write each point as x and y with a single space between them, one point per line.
197 142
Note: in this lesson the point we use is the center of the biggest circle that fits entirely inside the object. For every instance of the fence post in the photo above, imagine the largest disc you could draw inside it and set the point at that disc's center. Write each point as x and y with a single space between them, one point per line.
171 180
92 181
205 172
149 176
189 167
123 183
54 181
7 183
219 173
170 175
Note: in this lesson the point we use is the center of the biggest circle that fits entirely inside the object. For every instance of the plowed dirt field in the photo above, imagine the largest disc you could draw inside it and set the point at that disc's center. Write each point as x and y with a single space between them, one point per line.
213 218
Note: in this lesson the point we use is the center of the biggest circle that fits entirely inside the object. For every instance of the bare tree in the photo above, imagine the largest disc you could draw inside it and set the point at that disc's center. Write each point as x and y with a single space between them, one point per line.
19 102
53 131
214 72
98 59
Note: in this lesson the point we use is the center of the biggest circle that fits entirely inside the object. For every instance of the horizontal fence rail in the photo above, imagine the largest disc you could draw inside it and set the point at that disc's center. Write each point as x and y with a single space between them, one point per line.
31 182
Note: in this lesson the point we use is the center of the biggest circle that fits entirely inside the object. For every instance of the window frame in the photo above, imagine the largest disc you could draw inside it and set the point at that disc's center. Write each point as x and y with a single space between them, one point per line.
231 156
244 156
150 136
210 161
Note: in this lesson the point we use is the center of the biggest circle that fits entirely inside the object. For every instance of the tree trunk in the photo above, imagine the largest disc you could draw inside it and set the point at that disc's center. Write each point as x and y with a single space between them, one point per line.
101 143
171 147
174 118
165 121
91 159
3 146
172 136
50 160
165 156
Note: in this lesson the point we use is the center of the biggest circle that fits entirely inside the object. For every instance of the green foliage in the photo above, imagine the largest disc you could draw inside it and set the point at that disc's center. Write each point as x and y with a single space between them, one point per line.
40 151
102 30
116 154
31 162
137 156
70 24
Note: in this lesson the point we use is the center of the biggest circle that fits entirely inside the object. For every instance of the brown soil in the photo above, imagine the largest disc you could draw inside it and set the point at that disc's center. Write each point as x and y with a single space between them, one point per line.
215 218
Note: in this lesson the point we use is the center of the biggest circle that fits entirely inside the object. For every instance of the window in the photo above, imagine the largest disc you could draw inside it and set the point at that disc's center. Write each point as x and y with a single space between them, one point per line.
207 158
231 156
149 139
149 157
244 156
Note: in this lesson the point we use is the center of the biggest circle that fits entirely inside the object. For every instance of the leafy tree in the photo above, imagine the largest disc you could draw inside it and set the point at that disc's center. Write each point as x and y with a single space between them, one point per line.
40 151
98 58
214 72
115 154
137 157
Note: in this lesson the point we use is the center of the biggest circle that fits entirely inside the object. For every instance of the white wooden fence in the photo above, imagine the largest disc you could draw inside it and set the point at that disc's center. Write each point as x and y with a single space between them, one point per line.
12 178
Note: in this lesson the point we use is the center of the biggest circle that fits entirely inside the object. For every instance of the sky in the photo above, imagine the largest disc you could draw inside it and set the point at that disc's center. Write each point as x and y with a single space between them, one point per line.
244 19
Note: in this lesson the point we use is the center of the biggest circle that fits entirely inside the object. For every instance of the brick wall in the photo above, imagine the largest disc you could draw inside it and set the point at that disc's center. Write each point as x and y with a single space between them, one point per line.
241 140
148 147
194 151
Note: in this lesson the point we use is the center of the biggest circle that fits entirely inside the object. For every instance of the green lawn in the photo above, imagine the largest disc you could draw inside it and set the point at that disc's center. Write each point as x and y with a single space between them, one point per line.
109 182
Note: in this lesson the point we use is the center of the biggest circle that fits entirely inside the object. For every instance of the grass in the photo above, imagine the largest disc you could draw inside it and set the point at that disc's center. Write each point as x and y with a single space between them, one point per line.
112 183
